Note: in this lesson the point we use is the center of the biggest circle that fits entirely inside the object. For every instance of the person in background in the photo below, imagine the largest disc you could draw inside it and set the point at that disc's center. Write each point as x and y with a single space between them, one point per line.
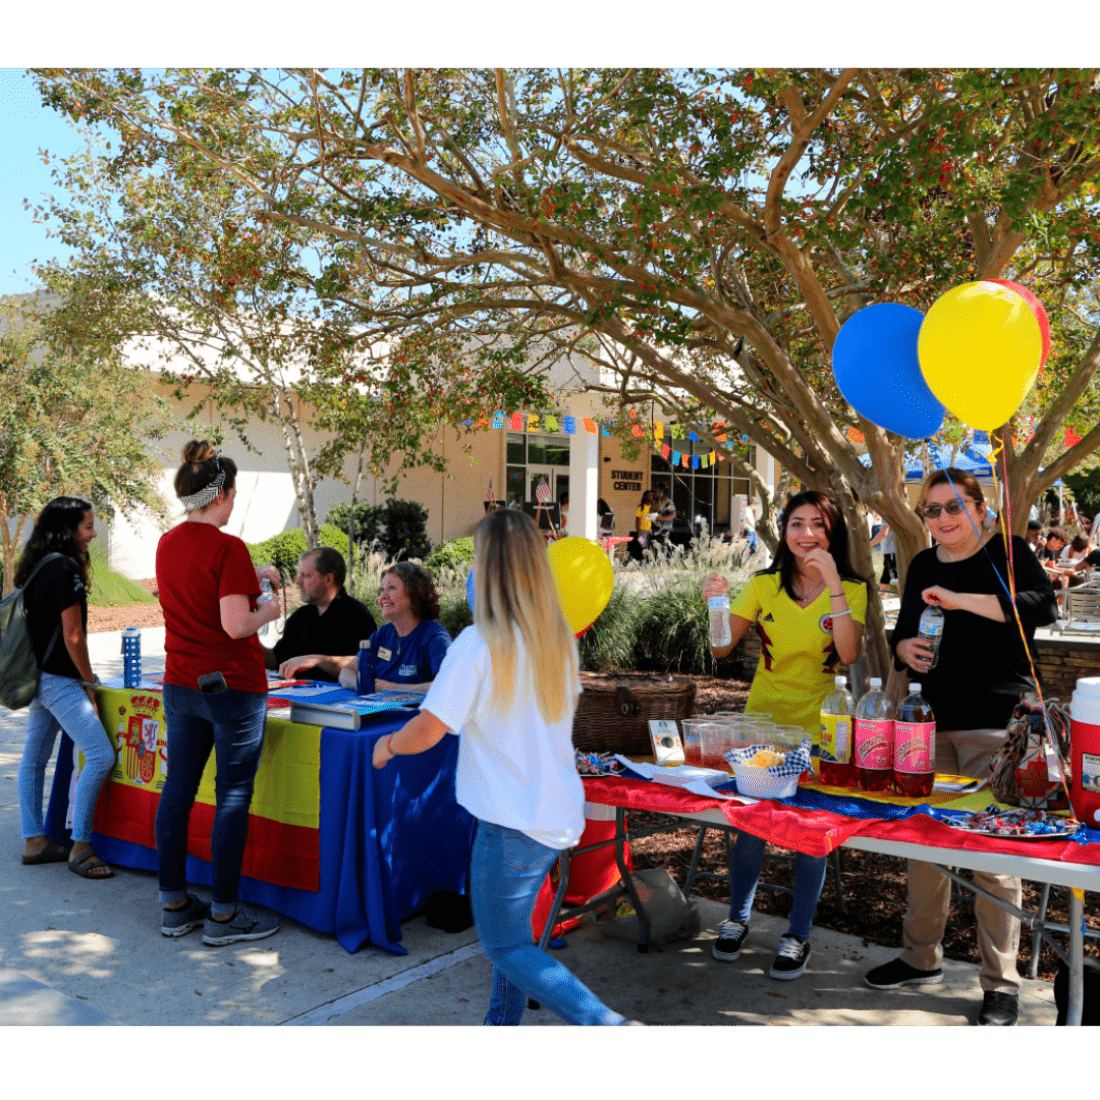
329 624
981 671
809 607
1034 536
405 653
215 696
666 513
508 688
885 539
1056 542
643 527
563 526
56 603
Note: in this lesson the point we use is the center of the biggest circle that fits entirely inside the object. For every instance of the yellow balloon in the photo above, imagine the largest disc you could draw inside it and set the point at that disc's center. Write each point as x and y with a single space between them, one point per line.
583 574
980 348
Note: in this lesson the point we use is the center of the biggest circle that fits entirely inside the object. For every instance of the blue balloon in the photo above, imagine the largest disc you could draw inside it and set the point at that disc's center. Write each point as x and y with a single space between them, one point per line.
470 589
876 368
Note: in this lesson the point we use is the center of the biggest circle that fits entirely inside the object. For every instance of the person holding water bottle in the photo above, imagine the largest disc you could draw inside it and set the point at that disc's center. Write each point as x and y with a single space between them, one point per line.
508 688
972 683
809 607
215 696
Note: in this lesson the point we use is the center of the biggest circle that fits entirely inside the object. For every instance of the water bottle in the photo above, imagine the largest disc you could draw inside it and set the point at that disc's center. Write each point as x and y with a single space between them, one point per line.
931 630
266 594
364 670
874 739
131 657
719 610
914 745
837 711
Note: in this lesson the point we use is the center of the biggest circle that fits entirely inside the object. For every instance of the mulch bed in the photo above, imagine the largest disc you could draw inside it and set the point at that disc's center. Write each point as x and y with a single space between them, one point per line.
874 885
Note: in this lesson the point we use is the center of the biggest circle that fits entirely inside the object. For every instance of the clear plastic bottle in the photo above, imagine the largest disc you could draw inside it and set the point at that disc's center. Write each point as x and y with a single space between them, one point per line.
914 745
837 711
719 610
267 593
874 739
931 630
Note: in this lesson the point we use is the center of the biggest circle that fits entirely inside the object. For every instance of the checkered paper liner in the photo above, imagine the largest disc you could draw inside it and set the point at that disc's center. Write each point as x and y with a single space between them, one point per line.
796 762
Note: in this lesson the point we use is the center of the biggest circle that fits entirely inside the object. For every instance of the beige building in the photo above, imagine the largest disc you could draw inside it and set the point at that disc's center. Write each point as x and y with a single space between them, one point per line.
586 466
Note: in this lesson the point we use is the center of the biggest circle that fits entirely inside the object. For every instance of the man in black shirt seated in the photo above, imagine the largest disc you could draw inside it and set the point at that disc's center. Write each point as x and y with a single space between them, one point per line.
329 622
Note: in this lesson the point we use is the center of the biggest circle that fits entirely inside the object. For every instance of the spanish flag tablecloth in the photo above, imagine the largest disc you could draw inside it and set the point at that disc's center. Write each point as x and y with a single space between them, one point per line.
345 848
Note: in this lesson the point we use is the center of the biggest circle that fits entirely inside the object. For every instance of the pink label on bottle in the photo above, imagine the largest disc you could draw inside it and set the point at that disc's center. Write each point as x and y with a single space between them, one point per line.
915 747
874 743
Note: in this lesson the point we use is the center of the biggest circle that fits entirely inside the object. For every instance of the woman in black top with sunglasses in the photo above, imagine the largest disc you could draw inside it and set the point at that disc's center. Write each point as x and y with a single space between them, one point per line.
981 671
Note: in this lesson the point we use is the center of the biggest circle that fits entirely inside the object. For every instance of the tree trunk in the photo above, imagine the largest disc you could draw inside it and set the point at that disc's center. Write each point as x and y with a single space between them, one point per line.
297 462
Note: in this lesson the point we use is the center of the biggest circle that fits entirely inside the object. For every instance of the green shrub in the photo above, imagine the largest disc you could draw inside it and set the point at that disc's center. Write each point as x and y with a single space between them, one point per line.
608 644
458 554
398 528
284 549
365 520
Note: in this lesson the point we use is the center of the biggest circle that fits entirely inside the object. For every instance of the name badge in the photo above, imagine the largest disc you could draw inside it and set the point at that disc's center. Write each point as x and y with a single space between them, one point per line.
384 654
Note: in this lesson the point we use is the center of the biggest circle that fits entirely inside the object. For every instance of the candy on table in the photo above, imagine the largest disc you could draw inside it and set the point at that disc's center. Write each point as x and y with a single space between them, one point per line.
994 819
596 763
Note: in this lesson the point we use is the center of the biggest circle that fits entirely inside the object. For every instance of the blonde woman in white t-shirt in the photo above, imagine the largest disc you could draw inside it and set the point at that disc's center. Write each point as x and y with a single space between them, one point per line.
509 687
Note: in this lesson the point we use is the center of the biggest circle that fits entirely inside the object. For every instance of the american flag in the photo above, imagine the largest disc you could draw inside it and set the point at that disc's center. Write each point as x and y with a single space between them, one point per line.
542 491
490 495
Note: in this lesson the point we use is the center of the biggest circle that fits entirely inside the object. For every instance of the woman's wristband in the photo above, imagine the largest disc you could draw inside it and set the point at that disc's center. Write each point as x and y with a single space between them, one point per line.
837 595
389 745
841 614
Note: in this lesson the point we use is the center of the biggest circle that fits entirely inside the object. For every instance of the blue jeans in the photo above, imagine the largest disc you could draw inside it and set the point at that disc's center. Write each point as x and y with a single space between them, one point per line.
507 868
809 878
232 724
62 704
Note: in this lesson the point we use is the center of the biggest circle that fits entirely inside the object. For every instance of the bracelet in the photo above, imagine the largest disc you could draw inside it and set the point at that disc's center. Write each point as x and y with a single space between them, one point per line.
841 614
389 745
91 683
837 595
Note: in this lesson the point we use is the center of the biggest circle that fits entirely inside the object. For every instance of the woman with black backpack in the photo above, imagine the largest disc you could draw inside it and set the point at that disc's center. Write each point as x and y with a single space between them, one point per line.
57 619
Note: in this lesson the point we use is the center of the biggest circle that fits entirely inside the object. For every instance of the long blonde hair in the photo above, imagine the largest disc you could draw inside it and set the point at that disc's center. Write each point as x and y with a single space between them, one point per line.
514 590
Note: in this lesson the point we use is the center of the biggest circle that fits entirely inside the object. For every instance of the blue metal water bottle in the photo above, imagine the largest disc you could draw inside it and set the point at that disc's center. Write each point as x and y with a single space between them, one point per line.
364 669
131 657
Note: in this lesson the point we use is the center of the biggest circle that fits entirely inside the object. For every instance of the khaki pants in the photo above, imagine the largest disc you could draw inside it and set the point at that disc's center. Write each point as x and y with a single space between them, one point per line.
964 752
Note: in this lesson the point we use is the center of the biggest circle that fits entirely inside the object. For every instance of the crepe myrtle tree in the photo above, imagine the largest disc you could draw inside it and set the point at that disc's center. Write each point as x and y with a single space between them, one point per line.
73 421
674 213
168 255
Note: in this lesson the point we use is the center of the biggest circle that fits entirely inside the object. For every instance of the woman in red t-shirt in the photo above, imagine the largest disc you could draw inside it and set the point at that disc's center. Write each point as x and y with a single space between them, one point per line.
215 695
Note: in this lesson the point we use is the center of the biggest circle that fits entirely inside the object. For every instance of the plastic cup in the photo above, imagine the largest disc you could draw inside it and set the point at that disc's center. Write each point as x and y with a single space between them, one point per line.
692 733
788 737
715 743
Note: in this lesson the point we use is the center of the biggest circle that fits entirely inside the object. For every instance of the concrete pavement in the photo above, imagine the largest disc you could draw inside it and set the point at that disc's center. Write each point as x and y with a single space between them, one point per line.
74 951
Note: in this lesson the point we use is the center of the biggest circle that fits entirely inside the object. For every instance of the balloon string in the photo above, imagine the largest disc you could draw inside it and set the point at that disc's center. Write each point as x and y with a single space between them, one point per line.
1005 517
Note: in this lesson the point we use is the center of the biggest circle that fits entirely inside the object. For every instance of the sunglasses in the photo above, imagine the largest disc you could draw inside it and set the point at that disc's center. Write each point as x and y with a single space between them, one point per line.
952 508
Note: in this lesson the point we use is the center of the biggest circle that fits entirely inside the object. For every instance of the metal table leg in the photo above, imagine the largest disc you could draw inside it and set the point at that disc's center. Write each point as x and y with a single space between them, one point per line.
1076 957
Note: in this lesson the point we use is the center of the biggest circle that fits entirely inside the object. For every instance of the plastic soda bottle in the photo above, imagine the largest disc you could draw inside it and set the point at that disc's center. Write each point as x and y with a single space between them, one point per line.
914 745
718 608
837 712
931 630
874 739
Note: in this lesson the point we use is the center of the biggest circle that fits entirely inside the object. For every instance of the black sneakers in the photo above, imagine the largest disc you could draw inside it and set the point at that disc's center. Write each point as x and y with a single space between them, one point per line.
896 973
731 936
999 1010
790 960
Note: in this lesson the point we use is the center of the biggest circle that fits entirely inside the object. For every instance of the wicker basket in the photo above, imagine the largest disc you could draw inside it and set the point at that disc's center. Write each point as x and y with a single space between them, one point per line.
614 709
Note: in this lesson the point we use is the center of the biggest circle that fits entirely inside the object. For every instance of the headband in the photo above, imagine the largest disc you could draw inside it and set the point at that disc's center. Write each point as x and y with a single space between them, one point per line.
206 494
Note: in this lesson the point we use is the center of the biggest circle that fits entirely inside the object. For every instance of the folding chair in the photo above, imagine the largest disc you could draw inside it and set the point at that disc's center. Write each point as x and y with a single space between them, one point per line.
1081 610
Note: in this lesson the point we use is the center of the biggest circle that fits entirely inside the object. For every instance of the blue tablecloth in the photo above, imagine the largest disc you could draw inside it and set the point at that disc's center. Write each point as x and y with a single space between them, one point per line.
388 838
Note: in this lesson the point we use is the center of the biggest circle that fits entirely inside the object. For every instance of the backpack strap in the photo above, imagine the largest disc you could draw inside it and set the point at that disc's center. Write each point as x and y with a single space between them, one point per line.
27 583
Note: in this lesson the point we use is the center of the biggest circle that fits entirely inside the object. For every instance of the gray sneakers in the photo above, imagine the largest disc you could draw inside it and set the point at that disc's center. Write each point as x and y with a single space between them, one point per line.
178 922
244 925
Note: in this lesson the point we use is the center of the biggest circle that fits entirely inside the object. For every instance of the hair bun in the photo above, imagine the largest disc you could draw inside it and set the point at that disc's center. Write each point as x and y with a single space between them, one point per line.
199 450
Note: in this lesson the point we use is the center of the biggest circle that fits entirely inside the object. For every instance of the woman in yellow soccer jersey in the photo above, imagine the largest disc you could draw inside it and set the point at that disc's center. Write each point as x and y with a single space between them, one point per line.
809 608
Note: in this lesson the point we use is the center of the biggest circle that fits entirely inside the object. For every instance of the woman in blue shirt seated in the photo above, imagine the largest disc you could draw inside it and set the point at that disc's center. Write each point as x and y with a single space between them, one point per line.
406 651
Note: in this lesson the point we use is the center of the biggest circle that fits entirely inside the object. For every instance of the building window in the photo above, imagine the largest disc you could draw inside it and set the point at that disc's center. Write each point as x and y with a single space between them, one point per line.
531 456
701 496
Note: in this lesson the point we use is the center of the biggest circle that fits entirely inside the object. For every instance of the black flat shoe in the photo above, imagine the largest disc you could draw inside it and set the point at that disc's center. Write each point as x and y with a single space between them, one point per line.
999 1010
